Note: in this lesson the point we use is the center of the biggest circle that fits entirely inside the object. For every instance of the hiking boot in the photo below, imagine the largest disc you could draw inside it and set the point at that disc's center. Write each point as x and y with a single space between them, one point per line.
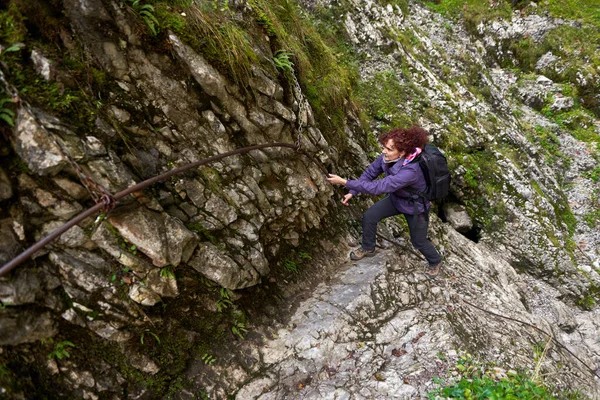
359 253
433 271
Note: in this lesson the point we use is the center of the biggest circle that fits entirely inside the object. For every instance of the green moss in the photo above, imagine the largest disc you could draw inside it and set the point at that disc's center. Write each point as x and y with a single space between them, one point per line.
473 12
202 232
549 142
581 10
12 26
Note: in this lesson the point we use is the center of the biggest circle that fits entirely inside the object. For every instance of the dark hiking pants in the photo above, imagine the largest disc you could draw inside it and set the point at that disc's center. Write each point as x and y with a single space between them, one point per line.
417 224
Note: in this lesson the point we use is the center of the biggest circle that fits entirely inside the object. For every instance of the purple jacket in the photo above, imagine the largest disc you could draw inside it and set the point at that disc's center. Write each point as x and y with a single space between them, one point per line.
396 180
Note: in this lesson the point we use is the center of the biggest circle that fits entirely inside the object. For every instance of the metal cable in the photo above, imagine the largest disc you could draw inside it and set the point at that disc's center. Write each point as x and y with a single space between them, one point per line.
100 206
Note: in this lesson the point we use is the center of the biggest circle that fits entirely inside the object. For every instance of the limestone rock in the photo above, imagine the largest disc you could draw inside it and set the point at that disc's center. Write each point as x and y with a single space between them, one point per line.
158 235
21 288
83 269
58 207
6 191
43 66
108 331
142 362
35 147
74 237
562 104
217 266
25 326
458 217
545 61
111 173
9 246
73 189
143 295
107 240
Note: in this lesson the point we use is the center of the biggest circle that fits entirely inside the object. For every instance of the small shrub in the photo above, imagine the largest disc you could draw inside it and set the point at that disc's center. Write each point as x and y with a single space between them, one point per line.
224 302
6 114
282 61
208 359
60 350
167 272
146 13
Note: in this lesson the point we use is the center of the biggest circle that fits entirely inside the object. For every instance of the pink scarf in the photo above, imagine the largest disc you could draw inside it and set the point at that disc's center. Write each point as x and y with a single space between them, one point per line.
411 157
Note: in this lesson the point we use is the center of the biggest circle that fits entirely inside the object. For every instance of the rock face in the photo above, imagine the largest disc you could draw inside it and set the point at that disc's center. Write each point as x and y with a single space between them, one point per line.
228 280
381 329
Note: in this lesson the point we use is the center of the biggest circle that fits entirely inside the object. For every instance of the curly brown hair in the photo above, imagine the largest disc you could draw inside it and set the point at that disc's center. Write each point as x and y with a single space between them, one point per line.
406 140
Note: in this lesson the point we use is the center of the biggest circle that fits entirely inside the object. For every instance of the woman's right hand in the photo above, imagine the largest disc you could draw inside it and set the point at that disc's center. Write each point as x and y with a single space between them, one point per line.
346 199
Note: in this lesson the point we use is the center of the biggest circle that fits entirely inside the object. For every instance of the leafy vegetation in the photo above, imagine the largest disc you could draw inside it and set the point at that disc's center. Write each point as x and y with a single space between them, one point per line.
294 260
6 114
61 350
482 382
146 13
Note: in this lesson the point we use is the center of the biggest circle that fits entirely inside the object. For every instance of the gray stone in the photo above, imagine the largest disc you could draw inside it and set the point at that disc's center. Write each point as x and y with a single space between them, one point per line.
217 266
94 147
158 235
142 362
562 104
110 242
42 65
213 83
9 246
545 61
35 147
74 237
57 207
107 331
220 210
111 173
73 189
143 295
264 84
458 217
25 326
84 269
120 115
268 124
6 191
21 287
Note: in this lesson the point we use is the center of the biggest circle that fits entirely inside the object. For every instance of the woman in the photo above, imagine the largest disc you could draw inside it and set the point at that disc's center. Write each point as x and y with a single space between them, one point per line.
401 147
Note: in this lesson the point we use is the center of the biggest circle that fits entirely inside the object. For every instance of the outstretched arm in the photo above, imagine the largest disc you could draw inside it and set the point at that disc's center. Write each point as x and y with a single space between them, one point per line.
389 184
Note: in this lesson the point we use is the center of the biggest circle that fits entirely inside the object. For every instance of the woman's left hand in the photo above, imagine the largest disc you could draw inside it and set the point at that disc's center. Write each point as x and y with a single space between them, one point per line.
336 180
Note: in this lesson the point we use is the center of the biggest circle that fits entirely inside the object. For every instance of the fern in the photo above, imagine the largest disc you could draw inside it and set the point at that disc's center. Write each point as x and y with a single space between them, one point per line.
6 114
146 12
282 61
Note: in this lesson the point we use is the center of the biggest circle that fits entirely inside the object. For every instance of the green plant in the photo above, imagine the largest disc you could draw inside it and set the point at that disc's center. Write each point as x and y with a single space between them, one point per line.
6 114
514 387
149 332
239 329
167 272
224 302
60 350
592 218
221 5
146 12
208 359
282 61
291 265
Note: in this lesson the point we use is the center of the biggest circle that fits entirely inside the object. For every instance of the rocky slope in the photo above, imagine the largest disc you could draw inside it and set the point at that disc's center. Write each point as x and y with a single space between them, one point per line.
228 280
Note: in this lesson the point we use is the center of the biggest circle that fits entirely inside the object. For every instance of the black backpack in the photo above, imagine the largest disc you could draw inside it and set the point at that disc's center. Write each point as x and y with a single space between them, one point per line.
435 170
